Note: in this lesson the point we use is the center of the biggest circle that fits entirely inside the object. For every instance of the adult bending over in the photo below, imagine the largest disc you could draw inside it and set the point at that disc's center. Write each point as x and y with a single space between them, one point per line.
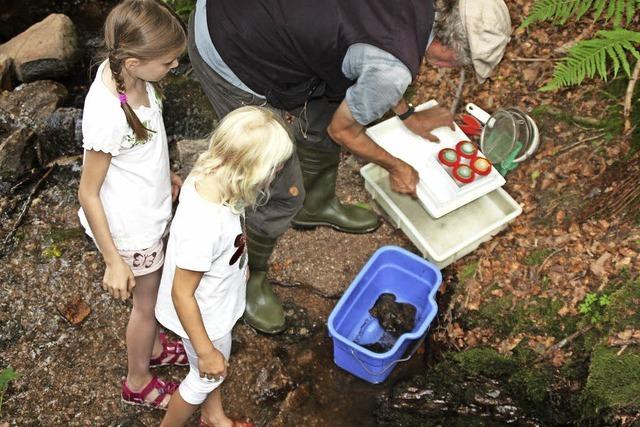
330 68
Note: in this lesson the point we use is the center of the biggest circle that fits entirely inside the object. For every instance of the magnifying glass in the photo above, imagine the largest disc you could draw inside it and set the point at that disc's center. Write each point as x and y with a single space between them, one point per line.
509 136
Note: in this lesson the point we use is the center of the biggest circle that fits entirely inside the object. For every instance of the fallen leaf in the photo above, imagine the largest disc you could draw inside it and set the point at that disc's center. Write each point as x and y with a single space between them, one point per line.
75 310
598 267
509 344
563 311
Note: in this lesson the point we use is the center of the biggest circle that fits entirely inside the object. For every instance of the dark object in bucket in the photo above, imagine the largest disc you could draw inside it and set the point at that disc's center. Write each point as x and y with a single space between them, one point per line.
396 318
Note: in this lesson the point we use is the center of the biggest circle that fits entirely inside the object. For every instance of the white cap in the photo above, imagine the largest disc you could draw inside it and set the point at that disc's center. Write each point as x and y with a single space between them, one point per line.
488 27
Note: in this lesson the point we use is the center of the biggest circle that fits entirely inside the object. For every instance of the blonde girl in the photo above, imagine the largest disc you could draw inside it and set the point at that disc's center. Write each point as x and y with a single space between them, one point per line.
126 188
202 293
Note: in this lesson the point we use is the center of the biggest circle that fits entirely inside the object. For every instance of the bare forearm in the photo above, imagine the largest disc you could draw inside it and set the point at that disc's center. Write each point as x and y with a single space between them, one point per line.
191 320
345 131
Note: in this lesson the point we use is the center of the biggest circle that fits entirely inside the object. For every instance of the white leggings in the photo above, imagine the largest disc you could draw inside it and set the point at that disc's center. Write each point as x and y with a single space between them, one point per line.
193 388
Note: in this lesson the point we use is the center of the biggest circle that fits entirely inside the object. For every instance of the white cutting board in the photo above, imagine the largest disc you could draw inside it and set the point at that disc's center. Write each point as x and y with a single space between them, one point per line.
437 191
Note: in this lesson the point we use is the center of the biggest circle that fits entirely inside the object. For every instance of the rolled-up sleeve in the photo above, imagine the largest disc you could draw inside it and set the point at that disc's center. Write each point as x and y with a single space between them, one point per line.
381 80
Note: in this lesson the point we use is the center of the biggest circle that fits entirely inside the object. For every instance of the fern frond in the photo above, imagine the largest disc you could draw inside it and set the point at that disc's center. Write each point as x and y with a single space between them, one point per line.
560 11
589 58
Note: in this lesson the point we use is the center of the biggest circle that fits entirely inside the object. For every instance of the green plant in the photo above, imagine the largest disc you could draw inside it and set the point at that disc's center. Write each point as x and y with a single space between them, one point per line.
183 8
559 11
593 307
592 57
6 376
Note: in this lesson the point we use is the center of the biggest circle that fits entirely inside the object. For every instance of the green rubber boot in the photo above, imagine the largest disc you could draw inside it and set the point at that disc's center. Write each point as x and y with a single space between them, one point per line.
321 207
264 310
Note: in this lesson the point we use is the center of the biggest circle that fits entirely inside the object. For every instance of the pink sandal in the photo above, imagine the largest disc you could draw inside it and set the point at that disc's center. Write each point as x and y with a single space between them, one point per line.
234 423
163 388
172 353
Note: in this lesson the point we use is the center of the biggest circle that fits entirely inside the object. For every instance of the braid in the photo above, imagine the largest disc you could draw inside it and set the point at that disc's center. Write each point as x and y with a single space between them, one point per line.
144 30
115 64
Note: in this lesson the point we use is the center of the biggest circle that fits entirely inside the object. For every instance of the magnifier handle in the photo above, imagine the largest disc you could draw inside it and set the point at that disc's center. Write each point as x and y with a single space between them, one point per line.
477 112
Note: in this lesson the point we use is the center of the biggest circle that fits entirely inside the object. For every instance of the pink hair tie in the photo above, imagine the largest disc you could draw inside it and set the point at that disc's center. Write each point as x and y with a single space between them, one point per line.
123 98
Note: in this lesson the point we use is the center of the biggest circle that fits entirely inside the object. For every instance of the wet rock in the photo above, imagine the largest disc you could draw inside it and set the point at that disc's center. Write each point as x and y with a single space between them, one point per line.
421 402
395 317
294 400
5 72
299 325
31 103
186 110
305 357
16 151
185 154
46 50
272 383
60 134
23 113
10 328
130 421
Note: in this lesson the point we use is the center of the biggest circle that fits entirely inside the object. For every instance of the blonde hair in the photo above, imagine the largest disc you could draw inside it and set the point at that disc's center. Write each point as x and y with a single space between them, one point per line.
142 29
244 154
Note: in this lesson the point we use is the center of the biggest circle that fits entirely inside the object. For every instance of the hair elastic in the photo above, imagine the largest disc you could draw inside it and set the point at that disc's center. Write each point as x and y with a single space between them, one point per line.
122 97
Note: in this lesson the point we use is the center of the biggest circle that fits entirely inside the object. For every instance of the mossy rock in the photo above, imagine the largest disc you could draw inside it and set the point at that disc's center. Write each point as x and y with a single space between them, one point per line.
622 311
538 316
485 361
448 396
614 382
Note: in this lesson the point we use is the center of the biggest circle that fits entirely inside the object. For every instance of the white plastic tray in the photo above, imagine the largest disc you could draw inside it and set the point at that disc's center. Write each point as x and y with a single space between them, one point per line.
449 238
437 190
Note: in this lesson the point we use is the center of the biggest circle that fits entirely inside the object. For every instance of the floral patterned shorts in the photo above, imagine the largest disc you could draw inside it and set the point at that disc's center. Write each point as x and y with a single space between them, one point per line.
144 261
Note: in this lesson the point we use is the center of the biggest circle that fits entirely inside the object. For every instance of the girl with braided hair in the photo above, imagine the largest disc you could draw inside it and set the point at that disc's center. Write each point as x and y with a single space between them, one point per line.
126 189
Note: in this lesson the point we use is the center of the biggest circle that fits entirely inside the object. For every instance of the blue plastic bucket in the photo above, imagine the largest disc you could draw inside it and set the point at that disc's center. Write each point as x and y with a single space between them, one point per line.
391 270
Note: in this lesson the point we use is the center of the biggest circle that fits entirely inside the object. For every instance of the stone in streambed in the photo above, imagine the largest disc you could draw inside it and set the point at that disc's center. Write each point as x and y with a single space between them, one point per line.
23 113
46 50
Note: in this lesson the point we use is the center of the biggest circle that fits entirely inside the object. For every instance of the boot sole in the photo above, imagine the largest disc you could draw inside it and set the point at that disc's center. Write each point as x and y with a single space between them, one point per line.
312 225
268 332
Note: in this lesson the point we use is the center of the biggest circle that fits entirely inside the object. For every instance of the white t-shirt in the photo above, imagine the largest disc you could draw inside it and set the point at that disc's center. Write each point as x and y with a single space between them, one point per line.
205 237
136 193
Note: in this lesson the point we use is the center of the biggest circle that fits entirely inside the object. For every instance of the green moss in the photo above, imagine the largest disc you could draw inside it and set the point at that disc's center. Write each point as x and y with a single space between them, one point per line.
52 251
541 317
614 381
485 361
622 311
468 271
531 385
537 256
528 384
495 313
58 235
536 316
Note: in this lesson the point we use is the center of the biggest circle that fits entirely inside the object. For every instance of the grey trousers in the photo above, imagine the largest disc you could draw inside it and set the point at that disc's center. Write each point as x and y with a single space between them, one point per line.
307 125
